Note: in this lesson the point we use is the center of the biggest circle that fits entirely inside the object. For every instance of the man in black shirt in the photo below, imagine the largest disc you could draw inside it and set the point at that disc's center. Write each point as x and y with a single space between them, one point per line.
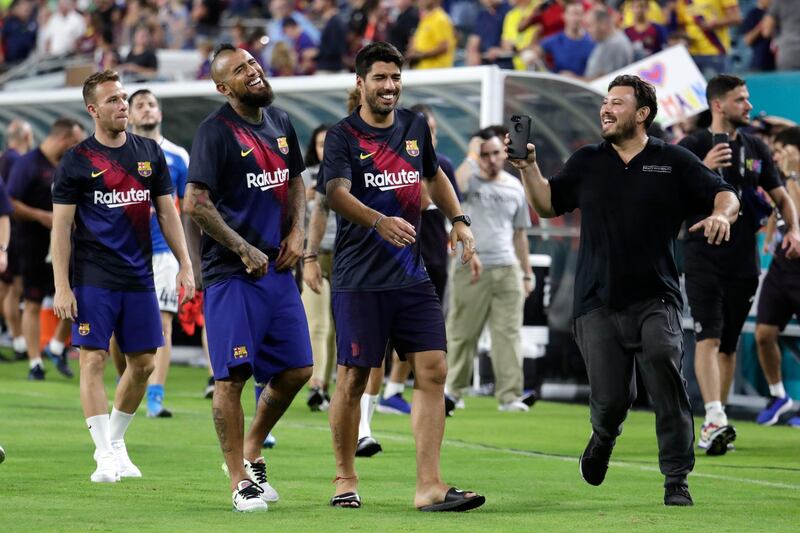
721 281
634 193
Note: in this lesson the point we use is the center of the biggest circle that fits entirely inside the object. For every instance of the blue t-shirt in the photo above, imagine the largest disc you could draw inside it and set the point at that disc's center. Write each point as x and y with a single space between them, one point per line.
7 161
112 189
385 166
247 168
763 58
568 54
178 162
5 202
31 182
489 28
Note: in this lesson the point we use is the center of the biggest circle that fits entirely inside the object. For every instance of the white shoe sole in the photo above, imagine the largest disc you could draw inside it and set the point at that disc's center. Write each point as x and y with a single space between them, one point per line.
785 409
104 478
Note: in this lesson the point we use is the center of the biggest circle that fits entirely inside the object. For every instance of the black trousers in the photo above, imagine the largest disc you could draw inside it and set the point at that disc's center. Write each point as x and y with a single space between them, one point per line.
649 333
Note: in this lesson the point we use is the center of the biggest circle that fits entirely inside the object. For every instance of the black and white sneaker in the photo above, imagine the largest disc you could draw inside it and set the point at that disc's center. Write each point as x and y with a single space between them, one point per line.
257 470
208 392
247 498
317 400
36 373
367 447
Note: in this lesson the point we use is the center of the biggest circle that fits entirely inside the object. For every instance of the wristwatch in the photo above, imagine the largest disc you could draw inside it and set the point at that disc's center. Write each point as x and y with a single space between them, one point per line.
462 218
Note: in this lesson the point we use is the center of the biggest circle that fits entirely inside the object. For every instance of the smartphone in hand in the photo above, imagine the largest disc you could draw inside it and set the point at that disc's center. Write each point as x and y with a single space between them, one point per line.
719 138
519 133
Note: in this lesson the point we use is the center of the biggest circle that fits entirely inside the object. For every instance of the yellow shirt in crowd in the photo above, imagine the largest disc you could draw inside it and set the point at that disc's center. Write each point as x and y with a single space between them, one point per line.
435 27
701 42
654 14
512 35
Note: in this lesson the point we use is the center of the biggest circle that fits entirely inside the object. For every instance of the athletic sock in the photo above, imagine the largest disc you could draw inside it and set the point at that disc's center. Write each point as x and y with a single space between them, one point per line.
35 362
99 430
715 414
19 344
393 388
56 347
777 390
368 402
118 424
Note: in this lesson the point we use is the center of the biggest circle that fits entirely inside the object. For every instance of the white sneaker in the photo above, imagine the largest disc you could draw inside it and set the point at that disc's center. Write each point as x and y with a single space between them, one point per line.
107 469
247 498
126 466
515 406
257 470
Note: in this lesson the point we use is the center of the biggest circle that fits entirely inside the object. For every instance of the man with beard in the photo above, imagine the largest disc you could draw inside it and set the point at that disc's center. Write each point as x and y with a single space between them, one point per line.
245 192
373 162
634 192
106 186
721 282
146 121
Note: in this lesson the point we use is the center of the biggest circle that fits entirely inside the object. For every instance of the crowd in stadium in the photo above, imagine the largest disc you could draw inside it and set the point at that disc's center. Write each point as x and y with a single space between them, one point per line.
581 38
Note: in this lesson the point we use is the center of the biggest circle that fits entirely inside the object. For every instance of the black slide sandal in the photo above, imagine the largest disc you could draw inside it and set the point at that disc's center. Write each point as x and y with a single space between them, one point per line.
455 501
346 500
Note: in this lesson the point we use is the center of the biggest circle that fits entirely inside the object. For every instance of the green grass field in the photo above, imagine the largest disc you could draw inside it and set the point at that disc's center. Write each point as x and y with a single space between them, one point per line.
525 464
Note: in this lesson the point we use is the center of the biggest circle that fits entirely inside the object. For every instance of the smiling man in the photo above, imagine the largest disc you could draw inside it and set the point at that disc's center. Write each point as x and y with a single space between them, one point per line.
374 162
634 193
245 191
106 185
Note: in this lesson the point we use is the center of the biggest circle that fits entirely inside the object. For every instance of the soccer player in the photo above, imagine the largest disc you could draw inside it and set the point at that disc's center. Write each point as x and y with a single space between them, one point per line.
19 141
721 281
246 193
30 187
145 116
634 193
106 186
374 161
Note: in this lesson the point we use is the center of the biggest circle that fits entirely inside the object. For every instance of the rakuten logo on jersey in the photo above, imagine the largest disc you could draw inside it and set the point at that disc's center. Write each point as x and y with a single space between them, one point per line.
386 181
267 180
121 198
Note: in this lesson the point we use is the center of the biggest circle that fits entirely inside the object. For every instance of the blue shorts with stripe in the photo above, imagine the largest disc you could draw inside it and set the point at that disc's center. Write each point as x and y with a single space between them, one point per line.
132 316
409 318
257 323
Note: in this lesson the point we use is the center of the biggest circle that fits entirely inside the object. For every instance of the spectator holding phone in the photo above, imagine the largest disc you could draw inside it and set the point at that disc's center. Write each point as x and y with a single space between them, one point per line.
721 281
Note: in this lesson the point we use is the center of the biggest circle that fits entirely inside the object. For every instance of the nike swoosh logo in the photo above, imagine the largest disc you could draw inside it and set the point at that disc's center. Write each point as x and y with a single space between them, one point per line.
366 156
245 154
95 174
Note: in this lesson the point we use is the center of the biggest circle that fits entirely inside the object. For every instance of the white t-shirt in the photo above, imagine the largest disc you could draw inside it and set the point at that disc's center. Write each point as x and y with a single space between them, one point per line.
62 32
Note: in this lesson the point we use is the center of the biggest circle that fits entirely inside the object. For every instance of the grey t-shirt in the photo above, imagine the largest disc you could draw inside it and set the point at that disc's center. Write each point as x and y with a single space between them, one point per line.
612 54
310 176
496 208
787 18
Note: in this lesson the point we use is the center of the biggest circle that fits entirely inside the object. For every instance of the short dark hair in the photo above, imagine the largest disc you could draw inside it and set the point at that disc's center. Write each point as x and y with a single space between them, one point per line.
789 136
311 158
423 109
220 48
487 133
375 52
140 92
645 94
90 84
63 126
722 84
289 22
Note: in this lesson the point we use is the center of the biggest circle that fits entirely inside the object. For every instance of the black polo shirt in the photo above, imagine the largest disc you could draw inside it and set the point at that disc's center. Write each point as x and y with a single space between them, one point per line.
630 218
752 166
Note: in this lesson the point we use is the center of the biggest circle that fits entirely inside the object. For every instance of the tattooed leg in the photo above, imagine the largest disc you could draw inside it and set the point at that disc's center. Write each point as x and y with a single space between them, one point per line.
229 423
276 398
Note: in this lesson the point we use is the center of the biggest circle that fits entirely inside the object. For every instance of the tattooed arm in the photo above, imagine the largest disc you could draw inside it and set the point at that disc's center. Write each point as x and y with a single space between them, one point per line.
197 204
312 273
395 230
292 245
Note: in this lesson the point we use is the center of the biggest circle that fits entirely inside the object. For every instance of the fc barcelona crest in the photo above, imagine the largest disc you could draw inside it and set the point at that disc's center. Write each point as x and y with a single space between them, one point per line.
84 328
283 146
145 170
412 148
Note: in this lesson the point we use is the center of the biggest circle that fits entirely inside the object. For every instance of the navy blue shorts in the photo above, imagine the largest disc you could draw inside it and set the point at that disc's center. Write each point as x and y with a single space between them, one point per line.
410 318
133 316
259 323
